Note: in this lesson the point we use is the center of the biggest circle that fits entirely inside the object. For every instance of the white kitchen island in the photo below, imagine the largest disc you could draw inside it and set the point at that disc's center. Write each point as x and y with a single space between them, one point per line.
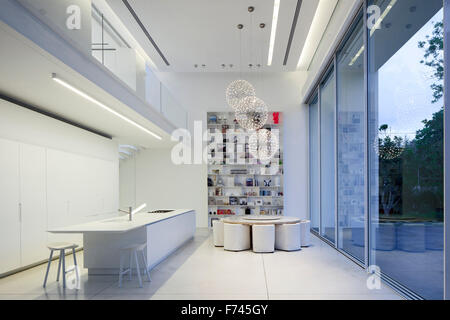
162 232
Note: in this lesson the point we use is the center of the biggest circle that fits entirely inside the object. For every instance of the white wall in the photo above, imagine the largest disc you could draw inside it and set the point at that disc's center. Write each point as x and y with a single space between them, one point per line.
79 169
151 178
295 140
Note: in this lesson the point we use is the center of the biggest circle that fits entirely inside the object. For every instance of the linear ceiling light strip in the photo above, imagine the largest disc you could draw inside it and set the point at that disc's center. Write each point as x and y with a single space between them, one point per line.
98 103
147 34
293 27
273 32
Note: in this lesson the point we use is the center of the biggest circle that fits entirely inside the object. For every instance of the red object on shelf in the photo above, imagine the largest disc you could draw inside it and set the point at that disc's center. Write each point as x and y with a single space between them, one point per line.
276 117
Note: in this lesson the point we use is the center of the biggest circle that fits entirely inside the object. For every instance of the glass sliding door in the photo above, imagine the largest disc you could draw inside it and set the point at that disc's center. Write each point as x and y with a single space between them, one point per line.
314 163
406 144
327 157
351 142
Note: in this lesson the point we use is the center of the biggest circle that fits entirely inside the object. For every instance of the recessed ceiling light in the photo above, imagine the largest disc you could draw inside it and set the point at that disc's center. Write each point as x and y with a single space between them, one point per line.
273 33
98 103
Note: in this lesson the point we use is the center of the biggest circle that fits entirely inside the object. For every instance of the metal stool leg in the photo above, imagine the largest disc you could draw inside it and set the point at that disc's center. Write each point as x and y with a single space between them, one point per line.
145 266
131 264
137 268
74 257
48 267
59 266
64 268
77 273
121 270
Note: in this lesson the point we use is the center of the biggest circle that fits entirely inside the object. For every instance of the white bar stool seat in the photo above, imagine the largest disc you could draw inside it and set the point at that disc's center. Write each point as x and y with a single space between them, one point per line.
263 237
133 251
305 226
218 233
288 237
236 237
62 247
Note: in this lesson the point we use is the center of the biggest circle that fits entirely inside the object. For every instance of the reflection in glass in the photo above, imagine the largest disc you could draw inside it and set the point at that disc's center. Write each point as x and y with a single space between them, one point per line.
406 145
327 158
350 148
314 162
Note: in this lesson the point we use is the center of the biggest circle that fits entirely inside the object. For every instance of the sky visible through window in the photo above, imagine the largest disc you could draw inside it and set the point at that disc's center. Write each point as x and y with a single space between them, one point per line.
404 87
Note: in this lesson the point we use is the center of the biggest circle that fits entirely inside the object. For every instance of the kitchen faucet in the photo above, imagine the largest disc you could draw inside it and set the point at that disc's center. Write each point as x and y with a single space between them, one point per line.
131 212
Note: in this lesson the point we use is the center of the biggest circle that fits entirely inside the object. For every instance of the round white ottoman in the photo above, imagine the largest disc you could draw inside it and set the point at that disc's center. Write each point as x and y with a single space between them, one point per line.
305 232
218 233
263 237
288 237
236 237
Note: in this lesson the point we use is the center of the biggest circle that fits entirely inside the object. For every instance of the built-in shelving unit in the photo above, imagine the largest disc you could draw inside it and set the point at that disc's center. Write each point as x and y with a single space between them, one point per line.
238 183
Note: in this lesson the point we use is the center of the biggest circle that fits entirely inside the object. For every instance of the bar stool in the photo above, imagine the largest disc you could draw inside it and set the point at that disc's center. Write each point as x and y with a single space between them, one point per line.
263 237
236 237
61 247
133 251
218 233
305 232
288 237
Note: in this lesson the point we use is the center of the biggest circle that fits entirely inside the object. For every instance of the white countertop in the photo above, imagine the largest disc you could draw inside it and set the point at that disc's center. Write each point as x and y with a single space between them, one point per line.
120 224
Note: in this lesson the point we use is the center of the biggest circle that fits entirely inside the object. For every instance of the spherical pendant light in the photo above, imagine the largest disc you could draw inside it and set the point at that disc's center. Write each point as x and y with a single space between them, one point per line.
263 144
238 90
252 113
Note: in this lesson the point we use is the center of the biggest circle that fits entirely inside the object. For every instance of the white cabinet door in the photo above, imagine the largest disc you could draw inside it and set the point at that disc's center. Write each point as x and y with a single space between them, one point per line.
9 206
33 204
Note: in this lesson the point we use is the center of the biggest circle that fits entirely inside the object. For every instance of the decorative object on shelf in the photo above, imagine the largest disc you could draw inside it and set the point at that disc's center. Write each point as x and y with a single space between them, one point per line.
276 117
267 182
212 119
234 201
210 182
252 113
238 90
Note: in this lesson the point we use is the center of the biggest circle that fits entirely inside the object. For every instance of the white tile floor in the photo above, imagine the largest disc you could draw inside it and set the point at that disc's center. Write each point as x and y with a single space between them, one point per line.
198 270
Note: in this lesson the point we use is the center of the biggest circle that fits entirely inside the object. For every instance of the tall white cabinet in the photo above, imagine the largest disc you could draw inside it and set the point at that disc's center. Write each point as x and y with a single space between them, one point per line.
23 216
9 206
43 188
33 211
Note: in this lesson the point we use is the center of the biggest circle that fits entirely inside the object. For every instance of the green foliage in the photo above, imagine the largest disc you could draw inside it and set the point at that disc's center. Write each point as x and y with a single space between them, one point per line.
434 58
411 184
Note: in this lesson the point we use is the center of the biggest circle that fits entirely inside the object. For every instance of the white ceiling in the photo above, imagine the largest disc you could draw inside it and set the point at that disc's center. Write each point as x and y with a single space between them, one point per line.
26 75
190 32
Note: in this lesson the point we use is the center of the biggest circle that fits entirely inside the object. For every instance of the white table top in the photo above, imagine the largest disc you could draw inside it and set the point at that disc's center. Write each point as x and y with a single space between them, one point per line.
264 220
120 224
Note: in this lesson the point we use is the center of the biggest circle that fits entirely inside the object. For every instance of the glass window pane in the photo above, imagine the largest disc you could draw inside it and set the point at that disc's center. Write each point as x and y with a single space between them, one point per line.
314 170
406 144
327 160
350 131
